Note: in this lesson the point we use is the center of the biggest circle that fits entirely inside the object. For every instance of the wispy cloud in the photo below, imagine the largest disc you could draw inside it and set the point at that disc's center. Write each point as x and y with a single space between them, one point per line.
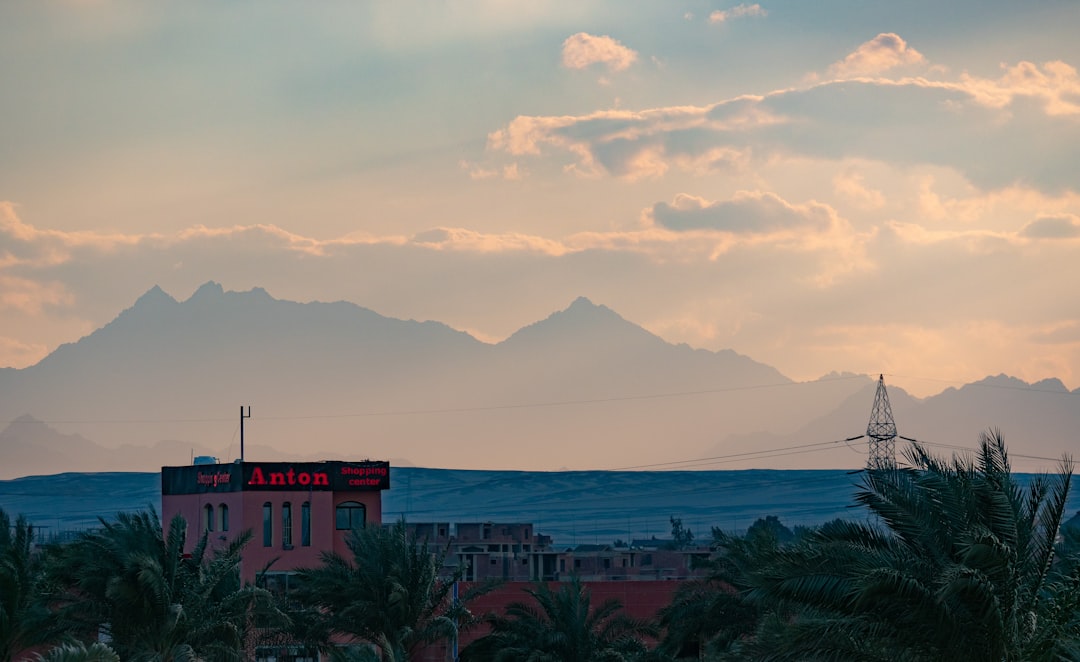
852 186
738 11
582 50
30 296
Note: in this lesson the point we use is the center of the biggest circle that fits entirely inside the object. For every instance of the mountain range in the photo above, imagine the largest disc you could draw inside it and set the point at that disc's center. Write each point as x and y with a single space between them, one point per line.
583 388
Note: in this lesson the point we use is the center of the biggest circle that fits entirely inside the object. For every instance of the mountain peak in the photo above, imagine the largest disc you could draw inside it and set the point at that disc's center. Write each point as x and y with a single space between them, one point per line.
583 322
583 308
582 302
208 291
153 297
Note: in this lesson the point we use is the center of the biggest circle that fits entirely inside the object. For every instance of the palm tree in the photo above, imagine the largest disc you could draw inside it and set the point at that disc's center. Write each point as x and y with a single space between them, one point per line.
389 594
963 570
708 615
25 619
562 626
134 585
95 652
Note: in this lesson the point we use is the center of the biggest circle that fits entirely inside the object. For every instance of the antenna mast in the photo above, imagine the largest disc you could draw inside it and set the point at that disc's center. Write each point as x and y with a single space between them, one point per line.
881 431
242 417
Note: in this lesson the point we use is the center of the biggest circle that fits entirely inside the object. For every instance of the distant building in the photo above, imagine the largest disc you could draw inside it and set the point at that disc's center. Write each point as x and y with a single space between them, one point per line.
296 510
516 553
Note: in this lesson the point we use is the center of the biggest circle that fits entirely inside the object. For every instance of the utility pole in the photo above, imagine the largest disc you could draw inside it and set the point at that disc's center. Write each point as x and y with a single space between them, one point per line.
881 431
242 417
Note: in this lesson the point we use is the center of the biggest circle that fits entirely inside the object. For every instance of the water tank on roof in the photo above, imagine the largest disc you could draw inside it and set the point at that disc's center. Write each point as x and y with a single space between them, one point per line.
205 459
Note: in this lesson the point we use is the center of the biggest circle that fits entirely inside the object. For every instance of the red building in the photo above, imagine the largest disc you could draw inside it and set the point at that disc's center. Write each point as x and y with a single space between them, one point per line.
296 510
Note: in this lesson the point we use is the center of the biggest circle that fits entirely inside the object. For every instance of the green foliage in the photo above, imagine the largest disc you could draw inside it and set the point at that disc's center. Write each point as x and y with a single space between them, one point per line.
772 527
681 537
131 582
962 570
710 615
25 619
389 593
561 626
95 652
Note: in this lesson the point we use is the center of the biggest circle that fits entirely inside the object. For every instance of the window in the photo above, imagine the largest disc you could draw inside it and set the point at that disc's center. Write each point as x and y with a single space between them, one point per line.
224 511
350 515
281 585
268 524
286 525
305 524
208 517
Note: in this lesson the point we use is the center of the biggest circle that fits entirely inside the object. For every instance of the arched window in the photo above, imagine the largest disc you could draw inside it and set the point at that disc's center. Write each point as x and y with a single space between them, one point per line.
223 510
305 524
286 525
268 524
350 515
208 517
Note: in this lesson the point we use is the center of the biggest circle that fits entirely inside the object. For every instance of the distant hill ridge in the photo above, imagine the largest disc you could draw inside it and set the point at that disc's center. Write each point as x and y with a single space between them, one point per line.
573 507
581 388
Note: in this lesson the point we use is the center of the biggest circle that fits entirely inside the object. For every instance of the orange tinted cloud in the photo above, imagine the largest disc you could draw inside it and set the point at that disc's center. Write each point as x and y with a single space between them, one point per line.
882 53
583 49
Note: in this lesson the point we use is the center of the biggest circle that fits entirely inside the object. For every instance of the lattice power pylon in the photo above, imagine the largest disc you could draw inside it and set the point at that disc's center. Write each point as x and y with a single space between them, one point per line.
881 431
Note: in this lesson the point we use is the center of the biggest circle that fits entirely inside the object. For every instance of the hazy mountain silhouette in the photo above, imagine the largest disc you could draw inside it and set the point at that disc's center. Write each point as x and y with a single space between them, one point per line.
1037 420
582 388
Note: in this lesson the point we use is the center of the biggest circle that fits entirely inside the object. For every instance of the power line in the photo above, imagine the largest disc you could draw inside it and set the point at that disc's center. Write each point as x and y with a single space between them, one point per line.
538 405
719 458
476 408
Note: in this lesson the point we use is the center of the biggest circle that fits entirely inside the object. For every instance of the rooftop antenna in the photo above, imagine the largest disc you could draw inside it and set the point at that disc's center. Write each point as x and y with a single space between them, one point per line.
881 431
248 415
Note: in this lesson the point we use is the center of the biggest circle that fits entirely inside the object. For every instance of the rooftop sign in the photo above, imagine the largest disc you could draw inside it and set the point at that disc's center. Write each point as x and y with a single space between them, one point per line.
276 477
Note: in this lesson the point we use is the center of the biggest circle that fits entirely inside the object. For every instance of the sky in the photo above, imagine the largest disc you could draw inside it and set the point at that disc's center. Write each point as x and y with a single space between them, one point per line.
872 187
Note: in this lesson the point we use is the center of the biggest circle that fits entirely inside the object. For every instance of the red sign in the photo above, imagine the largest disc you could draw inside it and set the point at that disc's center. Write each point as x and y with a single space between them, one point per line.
290 477
276 476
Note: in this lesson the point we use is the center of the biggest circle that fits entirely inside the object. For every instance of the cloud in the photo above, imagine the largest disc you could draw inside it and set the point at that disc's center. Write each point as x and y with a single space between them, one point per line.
29 296
1056 84
14 352
965 124
460 239
583 49
31 246
746 212
738 11
851 185
637 144
1053 227
1067 332
882 53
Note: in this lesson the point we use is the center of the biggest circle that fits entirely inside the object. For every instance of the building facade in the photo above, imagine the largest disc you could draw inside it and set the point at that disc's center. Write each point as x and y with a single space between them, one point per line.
295 510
